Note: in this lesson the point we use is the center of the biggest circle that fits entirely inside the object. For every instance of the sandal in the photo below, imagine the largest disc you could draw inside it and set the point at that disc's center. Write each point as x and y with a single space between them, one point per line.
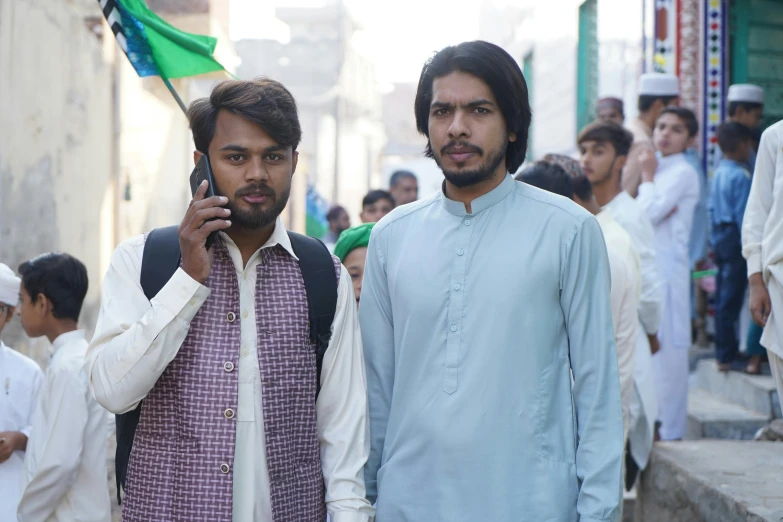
754 365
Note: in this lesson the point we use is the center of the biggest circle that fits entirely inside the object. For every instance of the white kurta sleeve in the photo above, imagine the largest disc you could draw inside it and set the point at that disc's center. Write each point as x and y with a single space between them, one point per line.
660 198
36 387
61 453
760 201
135 339
341 409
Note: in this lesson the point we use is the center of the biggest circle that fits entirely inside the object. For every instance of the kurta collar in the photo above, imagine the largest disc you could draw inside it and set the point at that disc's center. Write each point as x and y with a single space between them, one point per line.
668 161
279 237
66 338
604 217
480 203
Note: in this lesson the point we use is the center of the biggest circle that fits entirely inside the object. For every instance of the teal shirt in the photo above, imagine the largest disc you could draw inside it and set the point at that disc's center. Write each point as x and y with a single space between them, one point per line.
472 326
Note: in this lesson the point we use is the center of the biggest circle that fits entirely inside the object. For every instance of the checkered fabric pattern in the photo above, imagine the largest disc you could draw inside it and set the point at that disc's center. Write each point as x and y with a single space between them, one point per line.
184 443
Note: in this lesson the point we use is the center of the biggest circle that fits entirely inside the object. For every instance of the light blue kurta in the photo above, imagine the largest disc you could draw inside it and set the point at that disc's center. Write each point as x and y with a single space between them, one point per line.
471 325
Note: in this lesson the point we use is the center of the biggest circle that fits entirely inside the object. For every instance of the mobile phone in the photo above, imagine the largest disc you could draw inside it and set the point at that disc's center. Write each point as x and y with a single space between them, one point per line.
202 172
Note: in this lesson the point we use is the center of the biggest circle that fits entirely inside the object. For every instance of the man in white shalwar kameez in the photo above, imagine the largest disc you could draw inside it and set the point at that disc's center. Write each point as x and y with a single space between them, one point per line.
669 193
20 383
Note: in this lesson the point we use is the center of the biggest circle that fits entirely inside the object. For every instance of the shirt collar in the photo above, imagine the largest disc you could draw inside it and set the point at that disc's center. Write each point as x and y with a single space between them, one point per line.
604 217
668 161
66 338
279 237
480 203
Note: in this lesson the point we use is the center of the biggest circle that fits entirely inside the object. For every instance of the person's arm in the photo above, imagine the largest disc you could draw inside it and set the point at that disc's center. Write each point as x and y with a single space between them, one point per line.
760 200
650 299
36 387
375 317
341 409
584 298
61 453
740 195
661 197
632 171
135 339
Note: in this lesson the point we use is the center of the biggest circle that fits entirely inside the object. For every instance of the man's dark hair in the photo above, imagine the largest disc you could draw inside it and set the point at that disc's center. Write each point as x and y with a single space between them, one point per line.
334 213
747 106
499 71
607 132
583 189
646 101
263 101
687 116
61 278
548 176
731 135
400 175
374 196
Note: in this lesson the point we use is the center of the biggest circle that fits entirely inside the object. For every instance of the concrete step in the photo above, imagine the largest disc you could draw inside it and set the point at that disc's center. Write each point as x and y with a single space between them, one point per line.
755 392
712 417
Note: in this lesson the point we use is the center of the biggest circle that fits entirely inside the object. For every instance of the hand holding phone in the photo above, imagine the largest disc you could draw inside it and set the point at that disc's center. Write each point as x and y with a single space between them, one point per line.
201 173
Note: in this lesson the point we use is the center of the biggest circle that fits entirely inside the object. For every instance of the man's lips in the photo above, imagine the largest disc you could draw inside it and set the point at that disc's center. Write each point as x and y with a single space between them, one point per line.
460 155
255 199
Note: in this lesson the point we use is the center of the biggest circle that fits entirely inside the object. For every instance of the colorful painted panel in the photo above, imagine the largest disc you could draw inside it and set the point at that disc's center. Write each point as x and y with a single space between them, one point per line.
715 44
665 58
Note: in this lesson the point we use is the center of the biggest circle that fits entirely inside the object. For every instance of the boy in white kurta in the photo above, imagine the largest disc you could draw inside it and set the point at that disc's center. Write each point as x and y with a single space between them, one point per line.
669 193
20 383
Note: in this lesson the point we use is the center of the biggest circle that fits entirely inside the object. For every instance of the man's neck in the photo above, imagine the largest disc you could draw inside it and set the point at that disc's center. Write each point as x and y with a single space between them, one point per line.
248 241
466 195
606 192
735 159
60 327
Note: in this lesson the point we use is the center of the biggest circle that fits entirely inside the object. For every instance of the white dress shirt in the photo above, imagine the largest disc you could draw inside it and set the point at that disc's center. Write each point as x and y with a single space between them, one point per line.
762 230
65 475
21 381
624 299
135 339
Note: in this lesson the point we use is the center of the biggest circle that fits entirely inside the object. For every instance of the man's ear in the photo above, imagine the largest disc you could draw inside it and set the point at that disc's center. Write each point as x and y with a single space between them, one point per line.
197 156
512 137
294 161
42 305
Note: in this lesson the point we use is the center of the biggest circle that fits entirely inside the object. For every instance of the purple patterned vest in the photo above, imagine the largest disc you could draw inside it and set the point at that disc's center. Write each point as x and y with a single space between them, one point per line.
181 466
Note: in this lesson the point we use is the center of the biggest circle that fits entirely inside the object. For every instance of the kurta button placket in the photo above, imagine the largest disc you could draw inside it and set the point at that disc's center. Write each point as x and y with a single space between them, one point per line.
456 305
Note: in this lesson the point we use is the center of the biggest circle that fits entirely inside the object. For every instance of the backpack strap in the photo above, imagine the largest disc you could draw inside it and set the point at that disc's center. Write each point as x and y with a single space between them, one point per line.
158 263
318 273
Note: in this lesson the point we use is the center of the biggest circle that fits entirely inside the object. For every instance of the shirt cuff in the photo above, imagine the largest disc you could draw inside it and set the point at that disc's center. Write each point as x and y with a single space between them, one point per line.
350 516
183 296
754 264
645 186
26 431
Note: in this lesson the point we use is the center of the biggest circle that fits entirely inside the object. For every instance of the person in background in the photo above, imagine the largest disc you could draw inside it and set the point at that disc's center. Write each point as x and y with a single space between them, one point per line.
404 187
603 150
375 205
338 220
623 264
474 414
762 247
611 109
745 106
65 463
669 194
728 197
351 248
656 92
20 383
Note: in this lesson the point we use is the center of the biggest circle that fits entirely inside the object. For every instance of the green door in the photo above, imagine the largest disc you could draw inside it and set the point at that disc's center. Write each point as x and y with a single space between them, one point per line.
756 46
587 64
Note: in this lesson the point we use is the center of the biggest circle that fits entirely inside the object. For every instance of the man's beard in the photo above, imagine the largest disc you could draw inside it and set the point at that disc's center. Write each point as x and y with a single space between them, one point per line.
484 172
607 177
256 217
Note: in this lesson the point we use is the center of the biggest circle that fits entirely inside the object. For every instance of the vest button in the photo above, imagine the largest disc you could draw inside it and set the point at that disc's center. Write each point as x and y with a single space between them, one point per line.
228 366
224 469
229 413
231 317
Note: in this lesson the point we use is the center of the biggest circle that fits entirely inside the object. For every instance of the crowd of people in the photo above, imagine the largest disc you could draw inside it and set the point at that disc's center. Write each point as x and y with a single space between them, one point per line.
518 345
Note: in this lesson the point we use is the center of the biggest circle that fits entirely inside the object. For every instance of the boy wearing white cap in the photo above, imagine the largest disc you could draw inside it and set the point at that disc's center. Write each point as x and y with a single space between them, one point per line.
20 383
656 92
746 106
762 247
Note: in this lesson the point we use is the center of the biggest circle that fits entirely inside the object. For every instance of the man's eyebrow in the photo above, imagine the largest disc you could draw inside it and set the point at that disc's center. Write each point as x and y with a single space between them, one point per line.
440 105
235 148
275 148
478 103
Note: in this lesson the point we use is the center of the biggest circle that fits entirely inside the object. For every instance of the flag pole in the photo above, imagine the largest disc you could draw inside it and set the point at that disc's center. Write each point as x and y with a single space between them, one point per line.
175 94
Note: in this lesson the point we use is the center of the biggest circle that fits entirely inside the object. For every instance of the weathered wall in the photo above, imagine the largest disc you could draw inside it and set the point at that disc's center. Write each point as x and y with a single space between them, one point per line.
55 144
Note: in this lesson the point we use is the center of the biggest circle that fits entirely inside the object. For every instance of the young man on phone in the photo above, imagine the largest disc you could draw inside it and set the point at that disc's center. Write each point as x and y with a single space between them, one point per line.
230 428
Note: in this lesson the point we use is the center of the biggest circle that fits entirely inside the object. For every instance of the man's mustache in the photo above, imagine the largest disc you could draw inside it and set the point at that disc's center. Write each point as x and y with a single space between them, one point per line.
264 190
463 145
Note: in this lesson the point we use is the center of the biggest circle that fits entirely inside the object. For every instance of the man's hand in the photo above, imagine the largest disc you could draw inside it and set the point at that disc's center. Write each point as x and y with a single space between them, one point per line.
11 441
760 305
194 229
655 346
648 163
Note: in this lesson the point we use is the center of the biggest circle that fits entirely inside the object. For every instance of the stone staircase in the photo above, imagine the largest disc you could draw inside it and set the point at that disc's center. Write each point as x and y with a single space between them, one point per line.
729 405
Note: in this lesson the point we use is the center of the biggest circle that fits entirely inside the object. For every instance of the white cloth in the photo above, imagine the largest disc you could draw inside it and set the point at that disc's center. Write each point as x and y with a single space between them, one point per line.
658 84
776 365
65 463
745 92
644 406
762 230
20 384
9 286
670 201
135 340
624 299
642 140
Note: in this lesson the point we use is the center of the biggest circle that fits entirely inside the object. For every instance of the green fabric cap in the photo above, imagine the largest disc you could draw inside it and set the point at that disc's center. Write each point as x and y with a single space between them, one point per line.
352 238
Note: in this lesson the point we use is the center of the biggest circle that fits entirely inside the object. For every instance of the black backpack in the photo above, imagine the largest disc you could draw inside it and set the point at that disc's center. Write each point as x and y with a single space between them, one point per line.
159 262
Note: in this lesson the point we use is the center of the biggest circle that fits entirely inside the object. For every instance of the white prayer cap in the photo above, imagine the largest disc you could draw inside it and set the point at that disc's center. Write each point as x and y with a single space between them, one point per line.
9 286
659 84
745 92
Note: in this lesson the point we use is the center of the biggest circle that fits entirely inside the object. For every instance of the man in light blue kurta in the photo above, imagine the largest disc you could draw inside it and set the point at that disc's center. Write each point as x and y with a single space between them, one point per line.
474 316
